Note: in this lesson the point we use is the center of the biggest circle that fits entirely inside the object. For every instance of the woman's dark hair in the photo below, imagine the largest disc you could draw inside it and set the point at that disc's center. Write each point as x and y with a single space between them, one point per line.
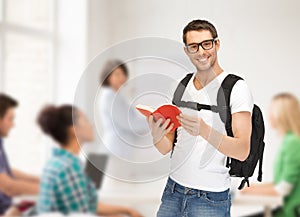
6 102
56 120
108 68
199 25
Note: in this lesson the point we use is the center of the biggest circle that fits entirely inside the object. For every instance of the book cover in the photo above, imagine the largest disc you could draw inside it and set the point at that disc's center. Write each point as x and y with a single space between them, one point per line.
165 112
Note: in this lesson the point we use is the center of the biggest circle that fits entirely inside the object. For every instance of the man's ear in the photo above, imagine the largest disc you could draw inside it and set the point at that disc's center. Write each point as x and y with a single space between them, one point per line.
218 44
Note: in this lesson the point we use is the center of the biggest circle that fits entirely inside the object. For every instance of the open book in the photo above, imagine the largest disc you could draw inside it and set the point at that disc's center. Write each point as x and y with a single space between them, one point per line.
165 112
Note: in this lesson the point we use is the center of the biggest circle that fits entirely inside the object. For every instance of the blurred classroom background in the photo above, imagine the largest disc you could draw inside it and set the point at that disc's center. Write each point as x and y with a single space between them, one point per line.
45 46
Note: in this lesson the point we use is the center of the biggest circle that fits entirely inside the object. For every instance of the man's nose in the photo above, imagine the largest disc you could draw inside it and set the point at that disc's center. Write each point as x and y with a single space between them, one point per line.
200 51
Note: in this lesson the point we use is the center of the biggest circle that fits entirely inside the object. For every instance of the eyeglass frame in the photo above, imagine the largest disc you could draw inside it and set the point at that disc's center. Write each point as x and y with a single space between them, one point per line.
200 44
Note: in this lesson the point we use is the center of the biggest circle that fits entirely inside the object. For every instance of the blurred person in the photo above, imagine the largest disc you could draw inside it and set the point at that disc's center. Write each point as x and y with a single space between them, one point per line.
12 181
285 119
64 186
120 121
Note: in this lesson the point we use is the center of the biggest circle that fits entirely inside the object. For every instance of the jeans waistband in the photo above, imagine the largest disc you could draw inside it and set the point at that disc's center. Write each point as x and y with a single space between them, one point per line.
186 190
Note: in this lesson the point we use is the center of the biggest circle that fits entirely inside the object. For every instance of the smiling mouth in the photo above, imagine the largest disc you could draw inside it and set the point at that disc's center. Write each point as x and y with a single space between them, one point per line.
203 60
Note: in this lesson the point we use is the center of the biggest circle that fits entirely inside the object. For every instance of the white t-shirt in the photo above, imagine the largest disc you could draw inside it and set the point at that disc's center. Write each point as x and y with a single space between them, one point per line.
195 163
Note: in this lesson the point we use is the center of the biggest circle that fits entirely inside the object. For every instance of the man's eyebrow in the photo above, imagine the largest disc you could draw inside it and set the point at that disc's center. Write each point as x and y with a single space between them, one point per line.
200 42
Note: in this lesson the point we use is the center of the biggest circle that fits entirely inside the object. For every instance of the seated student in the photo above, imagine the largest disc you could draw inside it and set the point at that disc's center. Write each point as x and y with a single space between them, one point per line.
285 118
64 187
12 181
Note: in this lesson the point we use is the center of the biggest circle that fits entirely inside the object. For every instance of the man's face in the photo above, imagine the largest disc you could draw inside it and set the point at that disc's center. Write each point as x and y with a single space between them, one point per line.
7 122
203 60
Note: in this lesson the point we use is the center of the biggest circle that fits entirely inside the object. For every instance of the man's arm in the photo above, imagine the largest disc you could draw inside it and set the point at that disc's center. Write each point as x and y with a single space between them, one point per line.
12 187
165 145
17 174
237 147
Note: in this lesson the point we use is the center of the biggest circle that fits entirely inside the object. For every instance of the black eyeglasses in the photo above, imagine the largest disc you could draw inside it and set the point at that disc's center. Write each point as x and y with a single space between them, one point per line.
206 45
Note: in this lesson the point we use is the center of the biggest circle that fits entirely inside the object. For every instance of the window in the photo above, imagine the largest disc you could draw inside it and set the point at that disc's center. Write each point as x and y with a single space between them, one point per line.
26 51
29 13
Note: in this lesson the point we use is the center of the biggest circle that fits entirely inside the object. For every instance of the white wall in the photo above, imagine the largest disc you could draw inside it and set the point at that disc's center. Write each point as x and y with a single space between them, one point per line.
71 50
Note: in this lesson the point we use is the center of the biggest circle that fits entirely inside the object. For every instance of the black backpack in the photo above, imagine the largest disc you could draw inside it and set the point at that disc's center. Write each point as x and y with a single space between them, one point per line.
238 168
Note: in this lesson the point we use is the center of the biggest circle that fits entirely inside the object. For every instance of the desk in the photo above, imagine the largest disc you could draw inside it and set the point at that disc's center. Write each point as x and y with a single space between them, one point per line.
19 199
267 202
145 197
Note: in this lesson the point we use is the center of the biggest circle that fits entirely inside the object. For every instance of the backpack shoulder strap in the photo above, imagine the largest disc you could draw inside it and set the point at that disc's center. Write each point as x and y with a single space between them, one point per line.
177 96
189 104
223 101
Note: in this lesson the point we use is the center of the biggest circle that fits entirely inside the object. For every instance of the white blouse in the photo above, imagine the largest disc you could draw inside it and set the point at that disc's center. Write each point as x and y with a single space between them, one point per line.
123 127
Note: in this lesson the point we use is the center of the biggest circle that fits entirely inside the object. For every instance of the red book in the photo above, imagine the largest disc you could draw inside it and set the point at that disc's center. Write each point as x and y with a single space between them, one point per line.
165 112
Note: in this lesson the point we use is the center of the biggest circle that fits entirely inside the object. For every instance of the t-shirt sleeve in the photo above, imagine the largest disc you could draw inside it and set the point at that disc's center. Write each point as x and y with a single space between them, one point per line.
241 99
3 162
2 166
291 163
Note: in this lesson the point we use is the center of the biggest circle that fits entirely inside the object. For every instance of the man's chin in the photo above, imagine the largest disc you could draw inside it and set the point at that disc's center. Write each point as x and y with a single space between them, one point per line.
2 135
203 68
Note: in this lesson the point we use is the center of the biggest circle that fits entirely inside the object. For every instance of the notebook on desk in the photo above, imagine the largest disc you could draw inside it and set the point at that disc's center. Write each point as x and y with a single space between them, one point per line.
95 168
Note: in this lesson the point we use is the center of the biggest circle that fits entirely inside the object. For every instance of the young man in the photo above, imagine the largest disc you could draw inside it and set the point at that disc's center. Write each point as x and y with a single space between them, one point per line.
199 181
12 181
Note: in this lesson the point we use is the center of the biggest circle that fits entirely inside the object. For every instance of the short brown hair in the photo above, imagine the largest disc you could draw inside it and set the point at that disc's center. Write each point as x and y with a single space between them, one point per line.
6 102
56 120
198 25
108 68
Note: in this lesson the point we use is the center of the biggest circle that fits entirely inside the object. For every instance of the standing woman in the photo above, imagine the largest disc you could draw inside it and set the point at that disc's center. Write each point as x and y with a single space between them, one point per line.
285 119
120 120
64 186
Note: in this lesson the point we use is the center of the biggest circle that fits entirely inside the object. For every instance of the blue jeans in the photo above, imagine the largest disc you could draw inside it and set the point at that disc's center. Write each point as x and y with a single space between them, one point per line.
180 201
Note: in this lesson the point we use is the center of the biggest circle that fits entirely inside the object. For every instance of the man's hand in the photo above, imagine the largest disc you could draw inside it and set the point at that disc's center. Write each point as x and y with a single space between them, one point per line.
158 130
192 124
